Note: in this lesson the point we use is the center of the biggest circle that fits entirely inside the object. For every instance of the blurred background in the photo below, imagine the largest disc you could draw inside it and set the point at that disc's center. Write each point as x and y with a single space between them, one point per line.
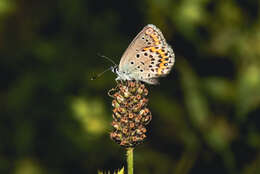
55 120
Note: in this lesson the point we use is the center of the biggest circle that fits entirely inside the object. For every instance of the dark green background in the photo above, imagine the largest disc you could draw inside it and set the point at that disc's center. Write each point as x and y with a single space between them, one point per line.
55 120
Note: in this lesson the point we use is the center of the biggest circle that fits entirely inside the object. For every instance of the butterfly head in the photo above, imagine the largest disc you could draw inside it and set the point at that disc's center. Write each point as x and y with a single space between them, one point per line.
114 69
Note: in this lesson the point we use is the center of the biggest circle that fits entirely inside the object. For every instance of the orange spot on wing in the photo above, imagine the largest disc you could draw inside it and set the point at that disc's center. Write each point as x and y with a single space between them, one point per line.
155 38
163 59
161 65
160 71
161 53
153 49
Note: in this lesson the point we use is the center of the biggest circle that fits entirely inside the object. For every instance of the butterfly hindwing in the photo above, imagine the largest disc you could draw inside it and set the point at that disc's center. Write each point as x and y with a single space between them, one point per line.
147 57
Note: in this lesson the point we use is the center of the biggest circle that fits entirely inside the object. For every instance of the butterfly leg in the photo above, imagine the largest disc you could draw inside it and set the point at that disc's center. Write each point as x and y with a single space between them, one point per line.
118 79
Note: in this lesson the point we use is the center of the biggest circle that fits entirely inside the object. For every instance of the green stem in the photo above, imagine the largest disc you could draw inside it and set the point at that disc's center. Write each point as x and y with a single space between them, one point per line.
130 160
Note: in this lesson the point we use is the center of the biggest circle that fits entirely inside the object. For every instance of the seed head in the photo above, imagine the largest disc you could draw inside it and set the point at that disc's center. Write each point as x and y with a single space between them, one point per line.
130 113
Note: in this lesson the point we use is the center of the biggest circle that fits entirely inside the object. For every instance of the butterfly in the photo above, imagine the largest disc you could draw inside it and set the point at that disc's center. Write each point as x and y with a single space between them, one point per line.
147 58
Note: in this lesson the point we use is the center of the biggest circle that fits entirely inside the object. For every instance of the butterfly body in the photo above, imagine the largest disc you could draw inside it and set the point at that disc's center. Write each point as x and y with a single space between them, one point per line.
147 58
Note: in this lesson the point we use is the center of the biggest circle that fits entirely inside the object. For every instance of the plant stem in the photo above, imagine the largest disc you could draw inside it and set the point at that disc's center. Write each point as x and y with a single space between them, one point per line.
130 160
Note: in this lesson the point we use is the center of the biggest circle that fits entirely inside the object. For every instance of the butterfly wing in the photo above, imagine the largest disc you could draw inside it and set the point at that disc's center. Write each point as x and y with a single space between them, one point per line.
147 57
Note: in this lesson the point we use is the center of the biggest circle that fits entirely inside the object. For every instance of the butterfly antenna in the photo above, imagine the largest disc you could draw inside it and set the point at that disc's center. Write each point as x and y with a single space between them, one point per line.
107 59
100 74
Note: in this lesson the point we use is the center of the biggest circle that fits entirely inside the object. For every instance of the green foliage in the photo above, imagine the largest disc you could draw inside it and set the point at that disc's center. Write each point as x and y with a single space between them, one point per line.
54 119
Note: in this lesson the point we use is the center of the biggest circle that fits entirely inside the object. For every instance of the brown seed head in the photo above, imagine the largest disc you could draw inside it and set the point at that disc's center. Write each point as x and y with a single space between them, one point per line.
130 113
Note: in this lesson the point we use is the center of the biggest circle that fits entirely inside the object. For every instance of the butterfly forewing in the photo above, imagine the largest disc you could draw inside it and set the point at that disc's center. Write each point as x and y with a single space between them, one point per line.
147 57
